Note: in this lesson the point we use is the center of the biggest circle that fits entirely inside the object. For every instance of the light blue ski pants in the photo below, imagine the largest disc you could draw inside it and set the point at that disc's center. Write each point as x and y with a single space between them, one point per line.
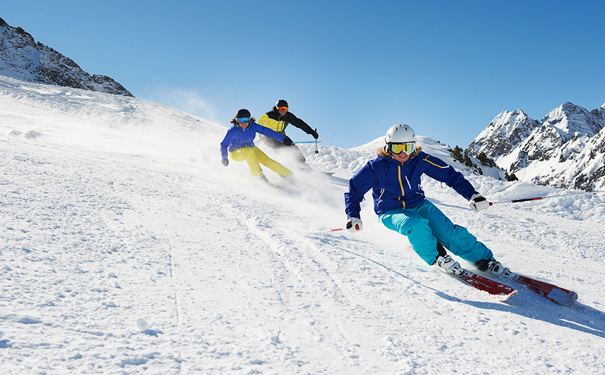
425 224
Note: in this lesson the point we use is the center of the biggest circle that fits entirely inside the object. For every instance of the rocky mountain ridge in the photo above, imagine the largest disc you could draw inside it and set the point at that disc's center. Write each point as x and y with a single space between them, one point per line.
23 58
564 149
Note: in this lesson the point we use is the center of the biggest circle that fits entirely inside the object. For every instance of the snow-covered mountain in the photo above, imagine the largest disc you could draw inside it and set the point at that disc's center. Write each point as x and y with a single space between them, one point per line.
565 149
126 247
23 58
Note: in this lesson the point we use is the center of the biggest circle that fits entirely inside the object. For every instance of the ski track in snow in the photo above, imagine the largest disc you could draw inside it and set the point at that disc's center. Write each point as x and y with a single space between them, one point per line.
128 248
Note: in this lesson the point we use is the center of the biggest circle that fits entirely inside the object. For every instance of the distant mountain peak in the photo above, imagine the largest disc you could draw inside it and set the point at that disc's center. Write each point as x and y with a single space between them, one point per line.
23 58
503 133
564 149
570 118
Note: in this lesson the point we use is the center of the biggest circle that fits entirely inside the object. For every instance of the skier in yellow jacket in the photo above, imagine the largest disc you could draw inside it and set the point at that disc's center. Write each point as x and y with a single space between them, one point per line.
278 118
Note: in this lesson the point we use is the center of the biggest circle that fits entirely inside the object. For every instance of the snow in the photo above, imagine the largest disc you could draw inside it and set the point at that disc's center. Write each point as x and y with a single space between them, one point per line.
126 247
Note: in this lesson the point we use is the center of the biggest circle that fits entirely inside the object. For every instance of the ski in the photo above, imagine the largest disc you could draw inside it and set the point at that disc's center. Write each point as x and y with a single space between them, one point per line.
268 184
263 183
272 185
556 294
494 288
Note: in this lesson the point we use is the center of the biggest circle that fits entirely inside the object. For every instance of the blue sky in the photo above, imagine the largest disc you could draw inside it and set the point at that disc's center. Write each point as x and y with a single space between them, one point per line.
351 69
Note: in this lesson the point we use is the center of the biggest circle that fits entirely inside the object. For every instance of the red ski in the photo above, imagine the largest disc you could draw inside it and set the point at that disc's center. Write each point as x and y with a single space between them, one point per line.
494 288
558 295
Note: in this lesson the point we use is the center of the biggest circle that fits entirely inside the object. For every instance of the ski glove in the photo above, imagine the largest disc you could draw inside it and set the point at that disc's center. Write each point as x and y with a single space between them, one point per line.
225 162
354 224
288 141
479 203
314 134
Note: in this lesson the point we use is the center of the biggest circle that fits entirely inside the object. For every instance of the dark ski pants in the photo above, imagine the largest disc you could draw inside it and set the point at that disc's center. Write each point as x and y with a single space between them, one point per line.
425 224
292 152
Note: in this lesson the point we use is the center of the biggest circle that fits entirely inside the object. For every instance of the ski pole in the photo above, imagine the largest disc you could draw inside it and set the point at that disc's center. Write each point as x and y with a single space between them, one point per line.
315 141
316 150
337 229
545 197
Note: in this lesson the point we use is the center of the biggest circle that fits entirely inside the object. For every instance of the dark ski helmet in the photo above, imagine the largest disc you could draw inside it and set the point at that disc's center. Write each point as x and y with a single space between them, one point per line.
281 103
243 113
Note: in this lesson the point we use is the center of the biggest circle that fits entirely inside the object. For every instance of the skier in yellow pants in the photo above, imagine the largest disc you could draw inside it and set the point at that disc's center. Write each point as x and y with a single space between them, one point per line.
239 142
255 156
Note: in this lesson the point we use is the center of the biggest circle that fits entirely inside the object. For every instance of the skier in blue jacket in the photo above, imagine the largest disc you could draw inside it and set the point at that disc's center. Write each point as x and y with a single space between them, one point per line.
239 143
399 201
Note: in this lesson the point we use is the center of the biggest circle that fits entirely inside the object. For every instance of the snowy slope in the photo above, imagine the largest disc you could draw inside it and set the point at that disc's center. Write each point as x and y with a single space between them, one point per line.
126 247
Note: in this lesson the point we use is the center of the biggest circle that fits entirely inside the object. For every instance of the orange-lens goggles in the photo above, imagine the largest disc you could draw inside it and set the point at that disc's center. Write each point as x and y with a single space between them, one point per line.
283 108
398 148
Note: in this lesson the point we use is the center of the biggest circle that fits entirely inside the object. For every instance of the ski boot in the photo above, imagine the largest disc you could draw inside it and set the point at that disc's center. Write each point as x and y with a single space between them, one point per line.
494 267
449 265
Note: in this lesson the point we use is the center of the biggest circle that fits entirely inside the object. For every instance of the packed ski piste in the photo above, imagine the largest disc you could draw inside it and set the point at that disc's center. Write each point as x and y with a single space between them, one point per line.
129 245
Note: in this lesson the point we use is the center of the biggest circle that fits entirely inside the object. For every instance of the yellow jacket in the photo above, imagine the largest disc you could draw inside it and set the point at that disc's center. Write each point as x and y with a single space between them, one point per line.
274 121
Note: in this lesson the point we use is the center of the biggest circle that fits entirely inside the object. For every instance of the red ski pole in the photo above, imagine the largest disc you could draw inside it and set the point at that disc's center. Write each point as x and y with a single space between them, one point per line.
337 229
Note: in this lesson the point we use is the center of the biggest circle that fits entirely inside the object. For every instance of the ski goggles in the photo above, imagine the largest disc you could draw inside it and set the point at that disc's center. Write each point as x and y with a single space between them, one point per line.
283 108
241 120
398 148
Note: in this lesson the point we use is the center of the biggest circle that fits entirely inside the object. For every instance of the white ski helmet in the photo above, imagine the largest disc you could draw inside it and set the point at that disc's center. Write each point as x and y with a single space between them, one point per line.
400 133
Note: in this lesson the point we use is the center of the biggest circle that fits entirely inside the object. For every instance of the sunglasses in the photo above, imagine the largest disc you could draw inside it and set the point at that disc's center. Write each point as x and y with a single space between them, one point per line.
283 108
398 148
241 120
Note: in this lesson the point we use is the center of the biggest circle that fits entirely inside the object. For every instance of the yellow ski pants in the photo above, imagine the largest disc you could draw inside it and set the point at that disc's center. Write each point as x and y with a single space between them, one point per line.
255 156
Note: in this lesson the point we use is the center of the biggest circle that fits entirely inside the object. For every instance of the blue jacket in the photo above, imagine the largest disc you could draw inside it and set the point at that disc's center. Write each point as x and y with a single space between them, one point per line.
238 137
396 185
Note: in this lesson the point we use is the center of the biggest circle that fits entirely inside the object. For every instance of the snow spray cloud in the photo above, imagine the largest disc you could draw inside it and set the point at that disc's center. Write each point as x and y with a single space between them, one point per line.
187 100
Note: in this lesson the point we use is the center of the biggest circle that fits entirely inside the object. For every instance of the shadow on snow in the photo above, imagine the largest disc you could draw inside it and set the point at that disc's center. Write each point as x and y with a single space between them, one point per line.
526 303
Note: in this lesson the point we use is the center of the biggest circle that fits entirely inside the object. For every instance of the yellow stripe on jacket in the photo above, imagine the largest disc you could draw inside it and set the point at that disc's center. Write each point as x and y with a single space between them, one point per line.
401 185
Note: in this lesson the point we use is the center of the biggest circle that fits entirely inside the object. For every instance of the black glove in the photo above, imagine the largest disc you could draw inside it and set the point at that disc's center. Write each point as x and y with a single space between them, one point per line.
225 162
288 141
315 135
